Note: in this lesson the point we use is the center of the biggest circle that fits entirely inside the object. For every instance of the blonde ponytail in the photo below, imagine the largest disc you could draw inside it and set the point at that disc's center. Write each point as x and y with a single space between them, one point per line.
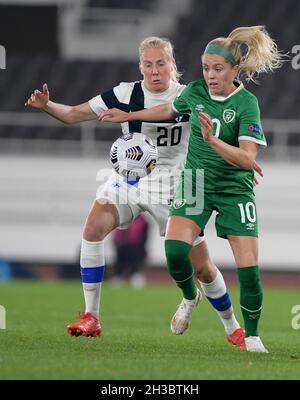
253 49
154 42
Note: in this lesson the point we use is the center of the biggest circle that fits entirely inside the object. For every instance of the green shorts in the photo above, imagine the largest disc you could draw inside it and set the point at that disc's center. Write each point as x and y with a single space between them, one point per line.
236 213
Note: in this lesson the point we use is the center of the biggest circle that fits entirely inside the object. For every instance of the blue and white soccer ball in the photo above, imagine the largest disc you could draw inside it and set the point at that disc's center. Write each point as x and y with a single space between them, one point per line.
133 155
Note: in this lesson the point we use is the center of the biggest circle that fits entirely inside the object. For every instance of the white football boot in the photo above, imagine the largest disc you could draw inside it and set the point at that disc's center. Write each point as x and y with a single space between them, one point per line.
181 318
254 344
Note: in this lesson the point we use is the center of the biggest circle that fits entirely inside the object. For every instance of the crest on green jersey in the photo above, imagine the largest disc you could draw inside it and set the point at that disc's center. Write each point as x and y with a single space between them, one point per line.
228 115
178 203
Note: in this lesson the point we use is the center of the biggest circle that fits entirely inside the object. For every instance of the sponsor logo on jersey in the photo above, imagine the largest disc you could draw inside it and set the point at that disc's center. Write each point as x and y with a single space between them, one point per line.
199 108
250 226
178 203
228 115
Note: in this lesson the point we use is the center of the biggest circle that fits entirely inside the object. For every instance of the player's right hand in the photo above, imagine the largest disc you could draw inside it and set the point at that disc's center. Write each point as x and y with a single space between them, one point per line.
38 99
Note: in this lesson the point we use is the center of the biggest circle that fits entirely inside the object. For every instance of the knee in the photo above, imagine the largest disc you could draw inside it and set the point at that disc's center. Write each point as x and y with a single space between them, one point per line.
101 220
93 233
95 230
205 276
206 272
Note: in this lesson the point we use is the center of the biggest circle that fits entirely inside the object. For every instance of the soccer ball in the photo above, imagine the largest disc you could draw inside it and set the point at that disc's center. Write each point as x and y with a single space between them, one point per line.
133 155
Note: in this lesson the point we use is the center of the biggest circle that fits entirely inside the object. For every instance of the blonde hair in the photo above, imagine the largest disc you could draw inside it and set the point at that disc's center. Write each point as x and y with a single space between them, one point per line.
253 49
154 42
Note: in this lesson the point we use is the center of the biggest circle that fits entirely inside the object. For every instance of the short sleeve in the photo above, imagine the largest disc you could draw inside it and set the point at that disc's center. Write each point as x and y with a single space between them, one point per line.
180 104
112 98
250 124
97 104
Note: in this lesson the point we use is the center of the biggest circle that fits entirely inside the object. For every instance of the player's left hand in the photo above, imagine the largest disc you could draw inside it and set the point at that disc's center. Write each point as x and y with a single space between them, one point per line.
206 127
113 115
255 181
257 168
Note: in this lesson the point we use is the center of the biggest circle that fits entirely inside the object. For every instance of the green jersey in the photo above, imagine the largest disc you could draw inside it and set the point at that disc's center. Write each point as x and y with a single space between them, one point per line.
235 118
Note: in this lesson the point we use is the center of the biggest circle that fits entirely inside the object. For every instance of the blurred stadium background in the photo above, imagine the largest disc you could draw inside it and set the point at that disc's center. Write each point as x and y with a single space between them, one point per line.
84 47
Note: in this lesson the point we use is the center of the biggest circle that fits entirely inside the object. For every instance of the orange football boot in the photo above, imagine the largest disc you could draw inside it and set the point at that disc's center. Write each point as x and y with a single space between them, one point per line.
237 338
88 326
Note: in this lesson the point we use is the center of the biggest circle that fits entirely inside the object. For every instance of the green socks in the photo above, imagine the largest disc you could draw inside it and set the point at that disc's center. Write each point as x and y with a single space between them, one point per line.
251 296
180 267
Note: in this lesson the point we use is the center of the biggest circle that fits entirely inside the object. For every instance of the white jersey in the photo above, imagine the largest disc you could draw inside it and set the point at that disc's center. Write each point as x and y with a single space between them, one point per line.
170 137
154 192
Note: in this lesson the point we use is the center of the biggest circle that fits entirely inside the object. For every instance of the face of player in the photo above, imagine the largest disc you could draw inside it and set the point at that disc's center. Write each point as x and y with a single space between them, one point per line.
156 69
219 74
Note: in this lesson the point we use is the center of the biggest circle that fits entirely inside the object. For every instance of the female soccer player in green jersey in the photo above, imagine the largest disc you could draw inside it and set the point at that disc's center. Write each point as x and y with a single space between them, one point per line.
118 202
226 134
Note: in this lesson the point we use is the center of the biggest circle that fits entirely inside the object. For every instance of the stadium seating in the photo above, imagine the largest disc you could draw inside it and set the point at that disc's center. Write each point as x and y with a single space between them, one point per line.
128 4
54 193
277 92
73 82
28 73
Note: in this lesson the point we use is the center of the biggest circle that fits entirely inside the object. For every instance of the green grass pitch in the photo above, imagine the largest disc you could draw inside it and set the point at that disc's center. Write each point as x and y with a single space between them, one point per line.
136 342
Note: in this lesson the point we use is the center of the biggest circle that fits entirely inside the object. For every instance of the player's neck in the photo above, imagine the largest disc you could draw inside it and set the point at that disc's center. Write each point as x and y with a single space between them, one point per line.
233 87
227 92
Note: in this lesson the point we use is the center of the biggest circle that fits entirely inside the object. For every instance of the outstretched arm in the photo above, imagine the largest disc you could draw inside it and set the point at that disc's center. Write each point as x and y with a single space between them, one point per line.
64 113
157 113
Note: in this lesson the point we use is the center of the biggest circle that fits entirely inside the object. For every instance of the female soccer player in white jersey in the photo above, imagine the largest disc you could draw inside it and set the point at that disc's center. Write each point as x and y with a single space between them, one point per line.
159 85
226 134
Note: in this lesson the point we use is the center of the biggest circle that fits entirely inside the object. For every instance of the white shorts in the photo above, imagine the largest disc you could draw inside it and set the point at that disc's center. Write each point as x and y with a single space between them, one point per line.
131 200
